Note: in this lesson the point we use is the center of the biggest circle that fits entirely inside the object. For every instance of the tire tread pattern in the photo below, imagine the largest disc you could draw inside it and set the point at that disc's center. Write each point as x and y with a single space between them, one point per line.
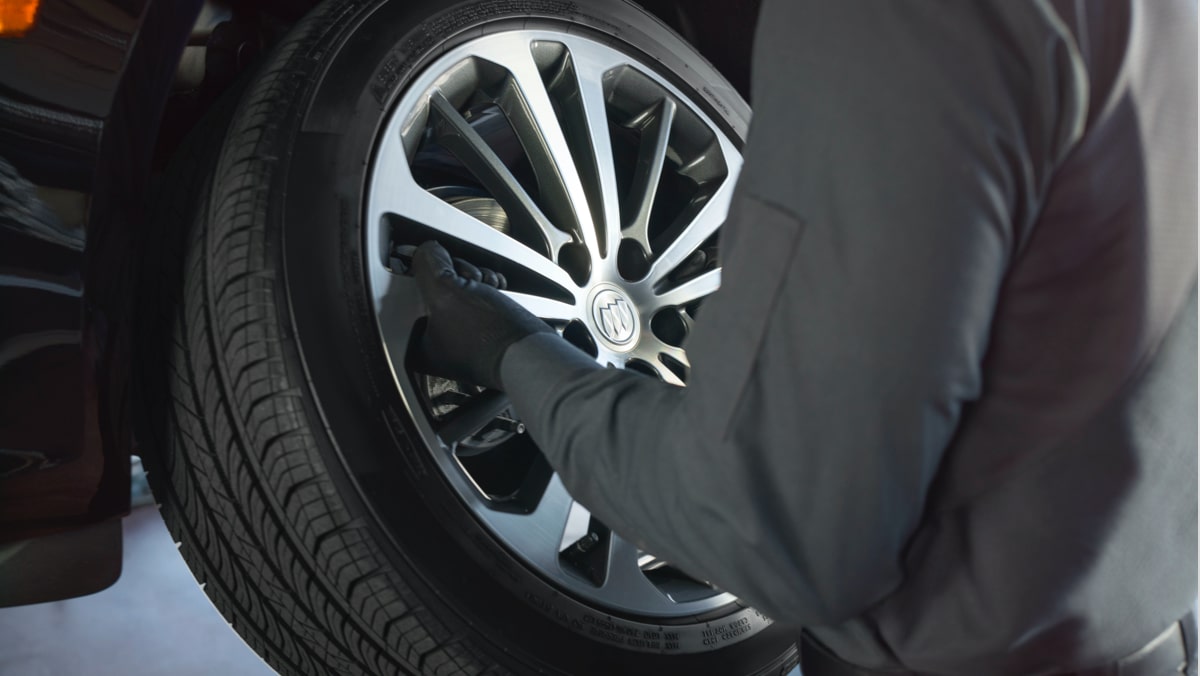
241 481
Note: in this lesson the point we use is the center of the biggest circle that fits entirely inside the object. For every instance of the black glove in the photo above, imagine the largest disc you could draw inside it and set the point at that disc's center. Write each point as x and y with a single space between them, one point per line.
470 323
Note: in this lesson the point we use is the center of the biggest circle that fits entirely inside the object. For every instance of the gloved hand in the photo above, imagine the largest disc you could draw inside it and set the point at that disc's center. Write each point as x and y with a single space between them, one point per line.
470 323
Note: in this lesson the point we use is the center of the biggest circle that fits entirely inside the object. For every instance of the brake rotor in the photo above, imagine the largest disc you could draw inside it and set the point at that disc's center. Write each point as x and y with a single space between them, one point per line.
484 209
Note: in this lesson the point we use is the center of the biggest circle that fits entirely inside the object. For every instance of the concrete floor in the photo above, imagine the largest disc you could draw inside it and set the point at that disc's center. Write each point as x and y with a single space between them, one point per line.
155 621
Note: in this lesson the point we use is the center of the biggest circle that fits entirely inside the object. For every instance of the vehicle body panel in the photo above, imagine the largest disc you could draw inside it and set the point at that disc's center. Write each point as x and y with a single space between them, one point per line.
80 99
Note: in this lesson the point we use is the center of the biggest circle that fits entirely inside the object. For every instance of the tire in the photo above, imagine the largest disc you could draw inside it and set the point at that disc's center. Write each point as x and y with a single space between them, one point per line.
287 463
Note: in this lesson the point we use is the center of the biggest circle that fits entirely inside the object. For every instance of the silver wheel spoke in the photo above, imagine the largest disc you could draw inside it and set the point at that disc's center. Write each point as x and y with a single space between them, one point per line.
656 131
651 350
470 148
529 109
676 353
707 220
403 197
397 307
690 291
545 308
576 527
538 533
552 511
689 324
624 580
590 69
667 374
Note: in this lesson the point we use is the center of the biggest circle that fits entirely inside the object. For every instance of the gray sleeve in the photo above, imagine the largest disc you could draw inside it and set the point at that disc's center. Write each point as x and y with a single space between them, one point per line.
896 159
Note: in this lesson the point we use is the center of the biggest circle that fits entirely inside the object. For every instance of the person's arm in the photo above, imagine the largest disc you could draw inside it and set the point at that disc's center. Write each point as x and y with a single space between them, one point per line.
896 161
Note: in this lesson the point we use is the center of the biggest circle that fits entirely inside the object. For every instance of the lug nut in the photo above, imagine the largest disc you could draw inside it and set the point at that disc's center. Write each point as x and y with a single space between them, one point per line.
509 425
586 543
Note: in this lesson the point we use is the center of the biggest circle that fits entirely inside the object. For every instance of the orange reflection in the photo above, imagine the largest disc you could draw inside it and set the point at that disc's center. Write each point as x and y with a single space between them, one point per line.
16 17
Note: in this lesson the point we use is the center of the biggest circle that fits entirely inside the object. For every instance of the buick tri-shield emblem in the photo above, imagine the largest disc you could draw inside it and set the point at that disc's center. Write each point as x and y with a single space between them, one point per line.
614 317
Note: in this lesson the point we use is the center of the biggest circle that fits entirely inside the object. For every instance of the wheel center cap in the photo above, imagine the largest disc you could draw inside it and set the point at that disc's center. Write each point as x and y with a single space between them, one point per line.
614 317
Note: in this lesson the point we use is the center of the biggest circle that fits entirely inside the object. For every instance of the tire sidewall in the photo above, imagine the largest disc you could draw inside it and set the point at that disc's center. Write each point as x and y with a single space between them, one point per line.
369 443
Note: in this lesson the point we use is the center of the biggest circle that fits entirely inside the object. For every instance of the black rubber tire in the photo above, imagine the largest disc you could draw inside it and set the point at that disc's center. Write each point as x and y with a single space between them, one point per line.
283 457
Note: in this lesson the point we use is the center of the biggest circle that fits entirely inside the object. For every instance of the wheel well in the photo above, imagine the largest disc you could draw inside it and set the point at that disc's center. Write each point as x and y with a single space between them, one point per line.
227 38
231 35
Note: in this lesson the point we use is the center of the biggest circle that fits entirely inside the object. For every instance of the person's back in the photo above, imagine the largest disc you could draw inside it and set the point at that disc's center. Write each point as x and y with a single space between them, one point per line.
1061 528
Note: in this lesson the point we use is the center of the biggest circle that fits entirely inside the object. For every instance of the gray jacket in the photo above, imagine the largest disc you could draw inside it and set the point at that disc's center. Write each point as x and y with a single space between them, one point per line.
943 410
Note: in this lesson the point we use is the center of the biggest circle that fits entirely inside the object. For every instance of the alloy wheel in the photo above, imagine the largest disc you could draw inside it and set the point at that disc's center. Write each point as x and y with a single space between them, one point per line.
597 187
